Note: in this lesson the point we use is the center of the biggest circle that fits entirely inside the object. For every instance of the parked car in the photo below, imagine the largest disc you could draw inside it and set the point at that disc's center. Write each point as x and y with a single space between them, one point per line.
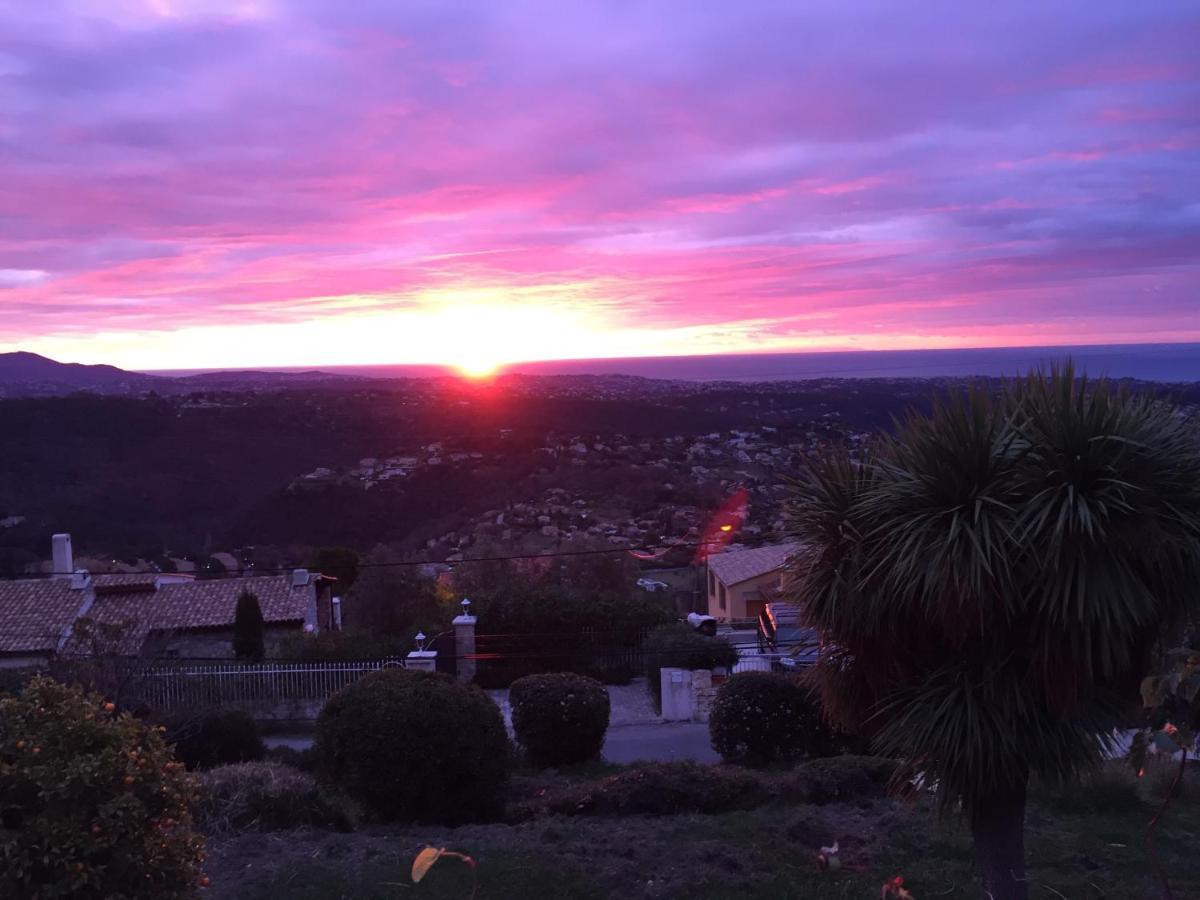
703 624
649 584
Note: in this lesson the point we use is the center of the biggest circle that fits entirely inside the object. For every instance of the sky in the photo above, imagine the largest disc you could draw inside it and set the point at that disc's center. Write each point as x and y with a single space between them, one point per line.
192 183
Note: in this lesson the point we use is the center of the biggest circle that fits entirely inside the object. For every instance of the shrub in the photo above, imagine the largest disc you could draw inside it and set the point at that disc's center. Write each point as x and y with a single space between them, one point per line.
758 718
839 778
559 718
92 804
305 760
415 746
678 646
216 738
1111 788
265 796
665 789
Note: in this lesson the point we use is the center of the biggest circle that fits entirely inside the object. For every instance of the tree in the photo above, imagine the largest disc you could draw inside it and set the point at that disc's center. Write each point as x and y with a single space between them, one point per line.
397 600
248 637
339 562
990 583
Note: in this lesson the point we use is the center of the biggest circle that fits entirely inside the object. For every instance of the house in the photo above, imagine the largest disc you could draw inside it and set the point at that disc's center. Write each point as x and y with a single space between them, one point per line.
742 582
150 613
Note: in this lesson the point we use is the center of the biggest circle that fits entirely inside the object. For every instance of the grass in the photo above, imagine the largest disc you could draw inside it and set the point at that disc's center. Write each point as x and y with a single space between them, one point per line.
1086 843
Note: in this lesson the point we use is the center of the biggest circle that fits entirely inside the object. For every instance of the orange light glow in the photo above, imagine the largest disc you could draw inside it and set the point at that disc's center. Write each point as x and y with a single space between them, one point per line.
727 528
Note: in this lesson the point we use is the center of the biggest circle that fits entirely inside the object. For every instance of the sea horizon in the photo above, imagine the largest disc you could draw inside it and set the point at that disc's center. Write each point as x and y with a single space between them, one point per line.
1175 362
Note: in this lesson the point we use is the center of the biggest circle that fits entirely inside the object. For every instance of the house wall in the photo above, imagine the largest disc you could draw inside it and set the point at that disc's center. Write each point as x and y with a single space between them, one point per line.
737 595
217 643
24 660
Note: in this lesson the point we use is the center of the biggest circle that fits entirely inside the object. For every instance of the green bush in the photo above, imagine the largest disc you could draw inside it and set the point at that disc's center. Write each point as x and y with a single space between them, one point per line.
559 718
1111 788
759 718
347 645
305 760
665 789
92 804
12 680
217 737
266 797
415 746
839 778
679 646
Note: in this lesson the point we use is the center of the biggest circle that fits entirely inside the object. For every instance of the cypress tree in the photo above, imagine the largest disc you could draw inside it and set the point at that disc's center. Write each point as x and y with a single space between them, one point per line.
248 631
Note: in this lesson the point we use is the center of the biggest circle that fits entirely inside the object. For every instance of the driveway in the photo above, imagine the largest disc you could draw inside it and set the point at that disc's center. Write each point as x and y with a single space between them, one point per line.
662 742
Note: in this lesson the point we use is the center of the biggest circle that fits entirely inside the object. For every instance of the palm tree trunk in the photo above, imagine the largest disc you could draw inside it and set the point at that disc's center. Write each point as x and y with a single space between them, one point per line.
998 825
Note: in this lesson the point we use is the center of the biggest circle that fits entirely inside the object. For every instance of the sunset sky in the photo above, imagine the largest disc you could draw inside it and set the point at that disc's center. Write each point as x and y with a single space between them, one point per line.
191 183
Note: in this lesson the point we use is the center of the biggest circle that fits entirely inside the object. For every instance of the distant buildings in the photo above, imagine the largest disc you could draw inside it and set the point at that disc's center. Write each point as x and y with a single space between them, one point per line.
154 614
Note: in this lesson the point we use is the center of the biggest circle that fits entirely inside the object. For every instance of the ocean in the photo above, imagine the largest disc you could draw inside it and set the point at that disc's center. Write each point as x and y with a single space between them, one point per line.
1146 362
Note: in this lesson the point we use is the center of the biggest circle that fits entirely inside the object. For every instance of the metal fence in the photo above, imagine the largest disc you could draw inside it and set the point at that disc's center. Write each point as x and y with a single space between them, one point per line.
201 684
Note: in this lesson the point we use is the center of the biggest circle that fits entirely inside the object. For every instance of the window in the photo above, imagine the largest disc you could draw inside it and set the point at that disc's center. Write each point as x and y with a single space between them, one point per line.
721 594
712 583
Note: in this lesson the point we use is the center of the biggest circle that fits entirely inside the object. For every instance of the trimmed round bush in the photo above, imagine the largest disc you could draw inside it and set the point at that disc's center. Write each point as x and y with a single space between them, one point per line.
415 746
758 718
559 718
665 789
218 737
679 646
92 804
264 796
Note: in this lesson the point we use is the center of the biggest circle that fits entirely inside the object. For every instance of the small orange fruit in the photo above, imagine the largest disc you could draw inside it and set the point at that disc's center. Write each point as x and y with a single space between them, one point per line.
129 779
109 707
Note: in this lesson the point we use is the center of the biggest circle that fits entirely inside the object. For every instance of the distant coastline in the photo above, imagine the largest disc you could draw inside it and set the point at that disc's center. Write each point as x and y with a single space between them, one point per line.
1171 363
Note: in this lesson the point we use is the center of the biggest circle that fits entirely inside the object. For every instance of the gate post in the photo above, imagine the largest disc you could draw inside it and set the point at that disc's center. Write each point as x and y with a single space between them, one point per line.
464 643
421 660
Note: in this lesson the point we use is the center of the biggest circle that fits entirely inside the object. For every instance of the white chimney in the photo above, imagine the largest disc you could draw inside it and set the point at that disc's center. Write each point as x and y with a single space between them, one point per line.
80 579
299 578
63 560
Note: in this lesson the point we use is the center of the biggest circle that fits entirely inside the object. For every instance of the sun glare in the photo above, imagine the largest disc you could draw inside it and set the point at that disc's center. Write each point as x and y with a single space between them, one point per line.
477 369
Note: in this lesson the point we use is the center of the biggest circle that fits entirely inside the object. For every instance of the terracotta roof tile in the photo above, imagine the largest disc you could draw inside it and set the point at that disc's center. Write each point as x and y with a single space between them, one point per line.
35 613
735 566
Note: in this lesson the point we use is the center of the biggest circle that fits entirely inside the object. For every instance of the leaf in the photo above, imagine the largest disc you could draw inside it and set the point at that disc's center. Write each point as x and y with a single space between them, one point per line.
1165 742
424 862
1153 692
1189 687
1137 752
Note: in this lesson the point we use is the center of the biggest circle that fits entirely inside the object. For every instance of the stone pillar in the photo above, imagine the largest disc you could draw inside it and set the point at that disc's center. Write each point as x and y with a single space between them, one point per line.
702 694
422 660
676 694
464 647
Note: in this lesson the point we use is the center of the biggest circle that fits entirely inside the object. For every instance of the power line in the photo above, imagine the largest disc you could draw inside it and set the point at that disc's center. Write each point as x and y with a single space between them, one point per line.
284 570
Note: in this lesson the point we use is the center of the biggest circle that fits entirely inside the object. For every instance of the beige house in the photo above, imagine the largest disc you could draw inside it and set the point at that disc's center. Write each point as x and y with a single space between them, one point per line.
151 613
742 582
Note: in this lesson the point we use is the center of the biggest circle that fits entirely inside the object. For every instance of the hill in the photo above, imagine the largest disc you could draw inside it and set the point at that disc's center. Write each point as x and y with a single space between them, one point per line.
28 374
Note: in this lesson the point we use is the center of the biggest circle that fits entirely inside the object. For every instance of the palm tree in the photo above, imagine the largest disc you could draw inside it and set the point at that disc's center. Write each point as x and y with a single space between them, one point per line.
990 583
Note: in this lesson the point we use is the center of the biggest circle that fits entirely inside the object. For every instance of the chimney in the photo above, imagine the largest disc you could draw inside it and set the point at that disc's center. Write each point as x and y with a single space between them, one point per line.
63 560
80 580
299 578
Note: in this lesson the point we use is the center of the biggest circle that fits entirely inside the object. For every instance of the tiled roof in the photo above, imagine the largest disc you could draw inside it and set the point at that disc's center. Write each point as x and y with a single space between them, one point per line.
35 613
735 566
204 604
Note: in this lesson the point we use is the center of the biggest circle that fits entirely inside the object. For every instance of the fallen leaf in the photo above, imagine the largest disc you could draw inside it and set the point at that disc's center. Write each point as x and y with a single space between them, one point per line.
424 862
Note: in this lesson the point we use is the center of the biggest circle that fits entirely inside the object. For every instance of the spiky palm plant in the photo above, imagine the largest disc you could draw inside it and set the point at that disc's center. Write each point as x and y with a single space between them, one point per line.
990 583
